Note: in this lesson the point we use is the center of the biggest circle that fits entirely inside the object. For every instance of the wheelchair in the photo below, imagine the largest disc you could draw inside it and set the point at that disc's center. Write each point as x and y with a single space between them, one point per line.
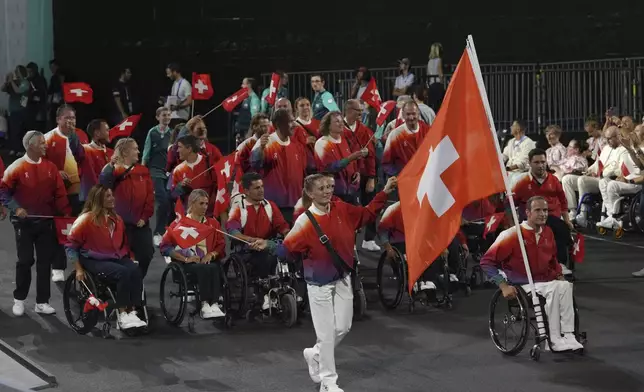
392 283
520 312
178 284
75 295
477 246
628 216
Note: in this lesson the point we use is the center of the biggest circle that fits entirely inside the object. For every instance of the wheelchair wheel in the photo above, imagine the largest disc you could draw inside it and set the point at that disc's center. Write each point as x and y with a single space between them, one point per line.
359 304
288 303
601 230
391 280
515 320
634 213
237 278
174 286
75 295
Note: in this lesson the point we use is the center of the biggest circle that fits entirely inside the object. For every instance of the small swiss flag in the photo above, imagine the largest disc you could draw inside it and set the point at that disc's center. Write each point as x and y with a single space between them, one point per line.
272 89
371 95
227 169
578 250
385 110
78 92
234 100
600 168
201 86
125 128
492 223
63 226
188 233
179 211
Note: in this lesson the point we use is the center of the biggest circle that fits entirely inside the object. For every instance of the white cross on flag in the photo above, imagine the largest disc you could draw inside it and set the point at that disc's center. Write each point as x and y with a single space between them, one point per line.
229 175
385 110
579 249
125 127
187 233
272 89
234 100
492 222
63 227
78 92
371 95
201 86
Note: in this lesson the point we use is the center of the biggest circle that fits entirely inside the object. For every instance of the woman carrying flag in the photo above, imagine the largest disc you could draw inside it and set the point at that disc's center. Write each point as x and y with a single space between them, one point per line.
194 172
134 193
97 243
201 258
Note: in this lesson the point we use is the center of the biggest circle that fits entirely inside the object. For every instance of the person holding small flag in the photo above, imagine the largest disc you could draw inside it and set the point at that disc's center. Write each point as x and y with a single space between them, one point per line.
200 255
192 173
327 267
248 108
258 126
97 243
132 187
33 191
282 92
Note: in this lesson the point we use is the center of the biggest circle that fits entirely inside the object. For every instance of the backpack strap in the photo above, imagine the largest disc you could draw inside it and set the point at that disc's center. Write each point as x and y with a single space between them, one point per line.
339 264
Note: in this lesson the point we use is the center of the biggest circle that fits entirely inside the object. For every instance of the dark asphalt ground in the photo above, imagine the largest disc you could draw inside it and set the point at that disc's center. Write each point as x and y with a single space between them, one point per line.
431 349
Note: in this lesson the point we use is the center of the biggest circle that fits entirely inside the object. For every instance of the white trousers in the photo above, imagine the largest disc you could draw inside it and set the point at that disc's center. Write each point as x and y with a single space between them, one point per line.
582 184
332 313
612 191
559 307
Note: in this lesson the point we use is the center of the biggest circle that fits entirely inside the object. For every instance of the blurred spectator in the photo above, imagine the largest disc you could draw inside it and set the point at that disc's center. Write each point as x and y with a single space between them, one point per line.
282 92
37 105
17 86
247 109
55 92
405 79
180 98
435 76
427 114
323 101
362 80
122 94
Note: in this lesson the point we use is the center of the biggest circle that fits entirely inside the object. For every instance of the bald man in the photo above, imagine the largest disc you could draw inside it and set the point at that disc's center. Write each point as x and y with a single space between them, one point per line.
284 103
609 160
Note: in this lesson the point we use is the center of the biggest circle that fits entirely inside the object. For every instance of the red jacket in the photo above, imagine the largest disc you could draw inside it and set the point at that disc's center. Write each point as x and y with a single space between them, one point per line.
95 241
361 136
550 189
133 191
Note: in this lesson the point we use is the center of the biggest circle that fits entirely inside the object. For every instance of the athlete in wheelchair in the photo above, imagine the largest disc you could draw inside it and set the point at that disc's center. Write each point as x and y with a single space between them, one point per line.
258 223
195 269
392 267
504 265
105 277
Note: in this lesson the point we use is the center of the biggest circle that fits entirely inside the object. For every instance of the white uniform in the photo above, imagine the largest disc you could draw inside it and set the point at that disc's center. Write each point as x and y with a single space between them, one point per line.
612 190
515 153
610 159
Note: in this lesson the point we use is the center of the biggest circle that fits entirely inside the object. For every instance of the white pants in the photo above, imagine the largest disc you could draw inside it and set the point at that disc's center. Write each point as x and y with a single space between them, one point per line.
583 184
332 313
559 307
612 191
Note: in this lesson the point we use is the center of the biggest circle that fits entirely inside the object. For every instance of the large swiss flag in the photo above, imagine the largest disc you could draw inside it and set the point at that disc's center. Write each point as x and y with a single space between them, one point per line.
456 164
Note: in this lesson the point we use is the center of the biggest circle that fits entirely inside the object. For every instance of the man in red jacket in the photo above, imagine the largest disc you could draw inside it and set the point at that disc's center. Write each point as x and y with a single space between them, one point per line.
503 264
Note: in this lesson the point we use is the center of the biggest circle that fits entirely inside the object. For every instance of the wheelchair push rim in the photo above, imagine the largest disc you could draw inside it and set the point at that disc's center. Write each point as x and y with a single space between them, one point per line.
516 313
174 275
75 294
391 280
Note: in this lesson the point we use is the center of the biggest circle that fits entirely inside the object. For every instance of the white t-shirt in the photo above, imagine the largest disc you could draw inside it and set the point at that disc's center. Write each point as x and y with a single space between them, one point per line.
181 89
404 81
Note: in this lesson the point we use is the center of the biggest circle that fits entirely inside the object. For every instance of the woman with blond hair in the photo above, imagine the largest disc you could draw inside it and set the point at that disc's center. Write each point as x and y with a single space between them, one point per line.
97 243
134 193
435 76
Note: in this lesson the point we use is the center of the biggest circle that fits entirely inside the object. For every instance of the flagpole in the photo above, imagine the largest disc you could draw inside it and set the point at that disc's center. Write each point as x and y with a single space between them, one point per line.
486 104
213 109
192 109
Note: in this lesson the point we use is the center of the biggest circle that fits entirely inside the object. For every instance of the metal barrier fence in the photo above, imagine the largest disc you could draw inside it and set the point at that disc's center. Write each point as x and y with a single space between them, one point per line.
541 94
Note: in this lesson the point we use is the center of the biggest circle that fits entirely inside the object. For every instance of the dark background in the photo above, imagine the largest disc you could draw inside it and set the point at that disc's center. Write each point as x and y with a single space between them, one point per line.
94 39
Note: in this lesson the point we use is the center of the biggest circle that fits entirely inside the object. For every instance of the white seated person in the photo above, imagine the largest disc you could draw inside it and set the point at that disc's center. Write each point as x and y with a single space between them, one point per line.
628 182
515 153
607 166
503 263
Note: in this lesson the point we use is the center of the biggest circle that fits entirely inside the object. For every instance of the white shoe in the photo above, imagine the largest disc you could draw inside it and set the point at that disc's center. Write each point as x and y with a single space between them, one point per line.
44 309
571 342
453 278
216 311
428 285
608 223
581 220
558 344
206 311
330 388
18 307
157 240
267 302
639 274
57 275
314 365
370 246
127 320
565 270
137 320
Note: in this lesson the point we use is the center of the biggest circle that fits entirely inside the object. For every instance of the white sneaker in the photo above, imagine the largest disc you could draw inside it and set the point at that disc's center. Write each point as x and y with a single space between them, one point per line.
571 342
428 285
267 302
314 365
558 344
608 223
370 246
157 240
330 388
565 270
127 320
18 307
215 311
57 275
581 220
137 320
639 274
44 309
453 278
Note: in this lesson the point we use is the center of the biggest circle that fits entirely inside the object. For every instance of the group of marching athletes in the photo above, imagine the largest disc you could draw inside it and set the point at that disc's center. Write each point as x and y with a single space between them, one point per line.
317 213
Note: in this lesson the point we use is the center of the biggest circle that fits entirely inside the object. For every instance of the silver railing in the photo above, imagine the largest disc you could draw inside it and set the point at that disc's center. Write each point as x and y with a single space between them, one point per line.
564 93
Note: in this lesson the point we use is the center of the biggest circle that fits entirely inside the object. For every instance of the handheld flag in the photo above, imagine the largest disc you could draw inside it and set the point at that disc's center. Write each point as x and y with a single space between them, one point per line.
229 175
201 86
234 100
272 89
492 222
188 233
579 249
78 92
125 127
63 226
385 110
456 164
371 95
